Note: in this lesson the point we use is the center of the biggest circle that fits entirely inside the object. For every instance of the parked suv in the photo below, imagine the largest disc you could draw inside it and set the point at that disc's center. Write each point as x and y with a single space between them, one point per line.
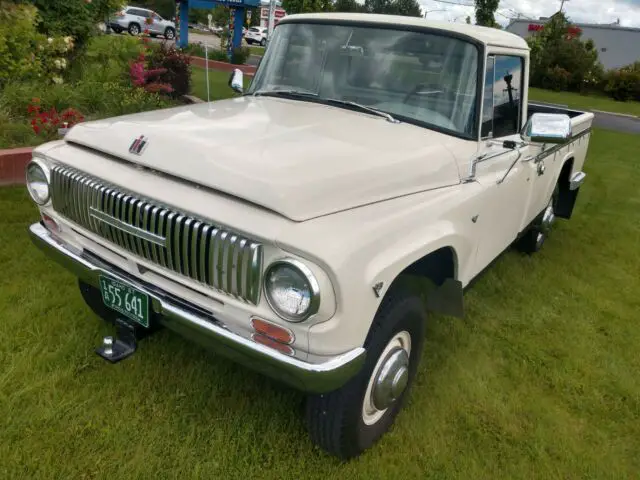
256 35
135 20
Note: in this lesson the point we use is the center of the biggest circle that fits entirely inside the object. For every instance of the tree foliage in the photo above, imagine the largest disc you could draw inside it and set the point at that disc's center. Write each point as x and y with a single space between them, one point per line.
485 12
350 6
307 6
560 60
409 8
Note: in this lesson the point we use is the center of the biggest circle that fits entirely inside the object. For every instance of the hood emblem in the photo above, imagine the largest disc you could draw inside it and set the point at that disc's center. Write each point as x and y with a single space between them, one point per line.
138 146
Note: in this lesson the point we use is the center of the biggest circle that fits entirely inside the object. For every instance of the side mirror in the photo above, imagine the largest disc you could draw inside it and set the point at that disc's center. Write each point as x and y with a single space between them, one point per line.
547 128
236 81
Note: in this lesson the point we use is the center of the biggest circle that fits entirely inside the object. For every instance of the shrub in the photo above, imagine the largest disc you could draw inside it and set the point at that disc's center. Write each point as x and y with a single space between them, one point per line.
624 84
18 43
66 18
239 55
176 66
106 59
557 78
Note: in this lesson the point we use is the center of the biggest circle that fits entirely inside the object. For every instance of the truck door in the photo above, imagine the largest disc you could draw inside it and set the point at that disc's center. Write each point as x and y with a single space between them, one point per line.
501 172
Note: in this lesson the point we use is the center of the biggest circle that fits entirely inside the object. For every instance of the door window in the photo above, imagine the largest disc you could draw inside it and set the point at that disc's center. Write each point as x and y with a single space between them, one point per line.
502 104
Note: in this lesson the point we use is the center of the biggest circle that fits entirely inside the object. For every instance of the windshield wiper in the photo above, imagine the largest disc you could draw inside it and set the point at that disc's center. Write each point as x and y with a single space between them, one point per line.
285 93
362 108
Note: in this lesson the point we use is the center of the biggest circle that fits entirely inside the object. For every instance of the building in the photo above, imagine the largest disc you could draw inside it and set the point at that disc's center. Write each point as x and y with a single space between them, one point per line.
264 13
617 46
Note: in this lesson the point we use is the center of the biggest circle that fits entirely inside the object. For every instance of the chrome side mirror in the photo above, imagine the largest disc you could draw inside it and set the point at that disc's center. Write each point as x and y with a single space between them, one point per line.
547 128
236 81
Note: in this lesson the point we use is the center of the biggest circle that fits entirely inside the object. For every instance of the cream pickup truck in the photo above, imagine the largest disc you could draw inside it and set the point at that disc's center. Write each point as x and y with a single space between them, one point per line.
306 227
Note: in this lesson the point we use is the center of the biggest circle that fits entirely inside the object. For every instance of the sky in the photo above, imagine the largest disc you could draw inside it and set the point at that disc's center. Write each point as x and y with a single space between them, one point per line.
579 11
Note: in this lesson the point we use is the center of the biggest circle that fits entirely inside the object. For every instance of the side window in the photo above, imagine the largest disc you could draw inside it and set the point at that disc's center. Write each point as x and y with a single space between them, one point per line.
507 88
487 106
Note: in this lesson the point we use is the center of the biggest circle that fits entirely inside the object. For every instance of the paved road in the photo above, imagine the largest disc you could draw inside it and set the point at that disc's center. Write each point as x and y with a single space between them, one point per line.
617 123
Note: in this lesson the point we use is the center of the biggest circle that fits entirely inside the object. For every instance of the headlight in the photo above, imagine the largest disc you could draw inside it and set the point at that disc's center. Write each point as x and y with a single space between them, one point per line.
292 290
38 181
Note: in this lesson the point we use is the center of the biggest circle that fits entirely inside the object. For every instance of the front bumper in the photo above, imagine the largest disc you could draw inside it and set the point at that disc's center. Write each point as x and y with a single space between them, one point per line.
206 330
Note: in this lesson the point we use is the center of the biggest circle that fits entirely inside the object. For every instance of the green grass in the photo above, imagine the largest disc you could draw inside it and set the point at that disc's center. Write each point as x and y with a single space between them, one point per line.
256 50
540 380
585 102
218 84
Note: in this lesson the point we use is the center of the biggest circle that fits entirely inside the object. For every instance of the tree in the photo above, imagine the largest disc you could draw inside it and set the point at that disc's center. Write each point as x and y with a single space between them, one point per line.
348 6
307 6
408 8
485 12
559 59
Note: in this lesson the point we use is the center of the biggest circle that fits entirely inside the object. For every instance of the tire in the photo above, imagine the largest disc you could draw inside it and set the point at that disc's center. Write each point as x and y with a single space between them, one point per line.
116 29
263 42
346 422
169 33
250 42
134 29
534 238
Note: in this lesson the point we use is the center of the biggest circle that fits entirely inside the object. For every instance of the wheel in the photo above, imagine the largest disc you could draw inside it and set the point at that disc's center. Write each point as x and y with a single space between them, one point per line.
250 42
533 240
263 42
116 29
169 33
349 420
134 29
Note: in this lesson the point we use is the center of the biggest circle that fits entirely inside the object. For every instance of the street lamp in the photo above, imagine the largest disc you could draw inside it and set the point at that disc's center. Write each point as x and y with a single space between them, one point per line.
436 10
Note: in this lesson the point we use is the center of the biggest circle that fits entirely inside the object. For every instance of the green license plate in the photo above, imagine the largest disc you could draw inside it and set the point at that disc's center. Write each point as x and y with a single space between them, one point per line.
125 299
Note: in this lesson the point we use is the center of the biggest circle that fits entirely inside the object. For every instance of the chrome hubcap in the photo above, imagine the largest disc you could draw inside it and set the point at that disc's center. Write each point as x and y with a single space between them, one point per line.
392 379
389 378
548 218
539 240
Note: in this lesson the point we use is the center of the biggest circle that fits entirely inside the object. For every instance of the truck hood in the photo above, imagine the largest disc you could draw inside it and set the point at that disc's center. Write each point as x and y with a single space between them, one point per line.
299 159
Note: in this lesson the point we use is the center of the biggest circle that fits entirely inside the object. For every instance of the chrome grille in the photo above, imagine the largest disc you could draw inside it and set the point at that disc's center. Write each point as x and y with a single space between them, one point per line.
221 259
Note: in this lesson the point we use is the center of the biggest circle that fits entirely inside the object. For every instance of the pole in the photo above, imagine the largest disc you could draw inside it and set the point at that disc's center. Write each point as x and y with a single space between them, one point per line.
206 67
562 4
272 14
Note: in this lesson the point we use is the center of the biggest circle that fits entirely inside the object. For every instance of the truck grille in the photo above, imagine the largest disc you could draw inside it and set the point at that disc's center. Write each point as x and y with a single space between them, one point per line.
190 247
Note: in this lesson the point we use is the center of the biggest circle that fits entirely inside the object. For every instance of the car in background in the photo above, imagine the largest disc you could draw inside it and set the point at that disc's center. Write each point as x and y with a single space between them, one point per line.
135 20
256 35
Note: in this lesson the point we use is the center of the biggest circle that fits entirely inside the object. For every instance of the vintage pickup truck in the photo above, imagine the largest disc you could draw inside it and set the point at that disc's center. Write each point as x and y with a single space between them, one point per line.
305 228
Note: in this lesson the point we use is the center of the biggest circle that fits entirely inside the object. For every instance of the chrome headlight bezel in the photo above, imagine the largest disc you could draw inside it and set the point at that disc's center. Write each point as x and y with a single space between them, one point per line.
42 165
312 282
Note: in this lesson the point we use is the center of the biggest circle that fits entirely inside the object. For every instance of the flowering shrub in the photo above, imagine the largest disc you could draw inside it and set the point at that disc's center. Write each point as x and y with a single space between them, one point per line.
176 65
147 79
48 122
54 55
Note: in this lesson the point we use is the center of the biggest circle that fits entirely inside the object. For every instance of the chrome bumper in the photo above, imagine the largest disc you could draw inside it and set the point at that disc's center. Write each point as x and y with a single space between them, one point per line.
206 330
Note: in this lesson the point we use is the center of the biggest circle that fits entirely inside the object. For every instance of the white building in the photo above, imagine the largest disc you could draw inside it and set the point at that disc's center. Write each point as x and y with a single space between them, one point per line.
617 46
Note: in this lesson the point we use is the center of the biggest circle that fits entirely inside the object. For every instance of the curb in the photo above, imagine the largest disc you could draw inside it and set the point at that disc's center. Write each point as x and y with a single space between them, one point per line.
12 165
248 70
624 115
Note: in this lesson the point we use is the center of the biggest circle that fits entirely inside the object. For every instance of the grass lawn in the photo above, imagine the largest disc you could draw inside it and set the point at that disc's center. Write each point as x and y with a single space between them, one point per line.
218 84
255 50
540 380
584 102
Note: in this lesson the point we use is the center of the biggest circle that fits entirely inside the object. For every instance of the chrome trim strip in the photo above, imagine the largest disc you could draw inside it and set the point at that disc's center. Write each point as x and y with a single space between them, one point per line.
171 239
114 222
320 377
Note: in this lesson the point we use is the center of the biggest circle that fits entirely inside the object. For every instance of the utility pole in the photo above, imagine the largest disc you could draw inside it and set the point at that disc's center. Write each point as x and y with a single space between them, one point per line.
562 5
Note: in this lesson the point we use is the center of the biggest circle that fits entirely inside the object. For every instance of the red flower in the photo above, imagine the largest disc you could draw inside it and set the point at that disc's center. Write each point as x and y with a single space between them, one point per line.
36 129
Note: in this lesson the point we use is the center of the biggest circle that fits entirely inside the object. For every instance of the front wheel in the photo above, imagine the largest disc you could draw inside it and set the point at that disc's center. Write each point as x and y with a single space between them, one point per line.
349 420
263 42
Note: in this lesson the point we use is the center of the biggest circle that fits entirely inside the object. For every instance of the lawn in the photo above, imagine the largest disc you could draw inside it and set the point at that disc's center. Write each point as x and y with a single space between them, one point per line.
218 84
540 380
256 50
585 102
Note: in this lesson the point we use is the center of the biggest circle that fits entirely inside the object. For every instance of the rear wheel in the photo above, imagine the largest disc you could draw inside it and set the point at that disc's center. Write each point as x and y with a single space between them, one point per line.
533 240
263 42
116 29
169 33
349 420
134 29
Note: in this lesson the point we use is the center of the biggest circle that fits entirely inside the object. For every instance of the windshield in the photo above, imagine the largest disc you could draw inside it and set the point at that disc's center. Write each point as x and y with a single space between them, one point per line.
423 78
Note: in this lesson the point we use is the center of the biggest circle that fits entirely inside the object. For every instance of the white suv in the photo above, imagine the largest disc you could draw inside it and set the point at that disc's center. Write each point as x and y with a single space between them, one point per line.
256 35
136 20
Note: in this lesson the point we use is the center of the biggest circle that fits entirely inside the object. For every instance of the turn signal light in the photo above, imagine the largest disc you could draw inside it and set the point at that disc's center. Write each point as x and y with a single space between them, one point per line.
269 342
273 331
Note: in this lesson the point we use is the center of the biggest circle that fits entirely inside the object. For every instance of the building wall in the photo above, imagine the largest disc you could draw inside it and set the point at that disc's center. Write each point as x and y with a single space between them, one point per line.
616 46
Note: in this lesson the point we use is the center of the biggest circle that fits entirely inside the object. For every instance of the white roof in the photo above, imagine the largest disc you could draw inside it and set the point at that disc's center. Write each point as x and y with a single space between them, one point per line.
485 35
